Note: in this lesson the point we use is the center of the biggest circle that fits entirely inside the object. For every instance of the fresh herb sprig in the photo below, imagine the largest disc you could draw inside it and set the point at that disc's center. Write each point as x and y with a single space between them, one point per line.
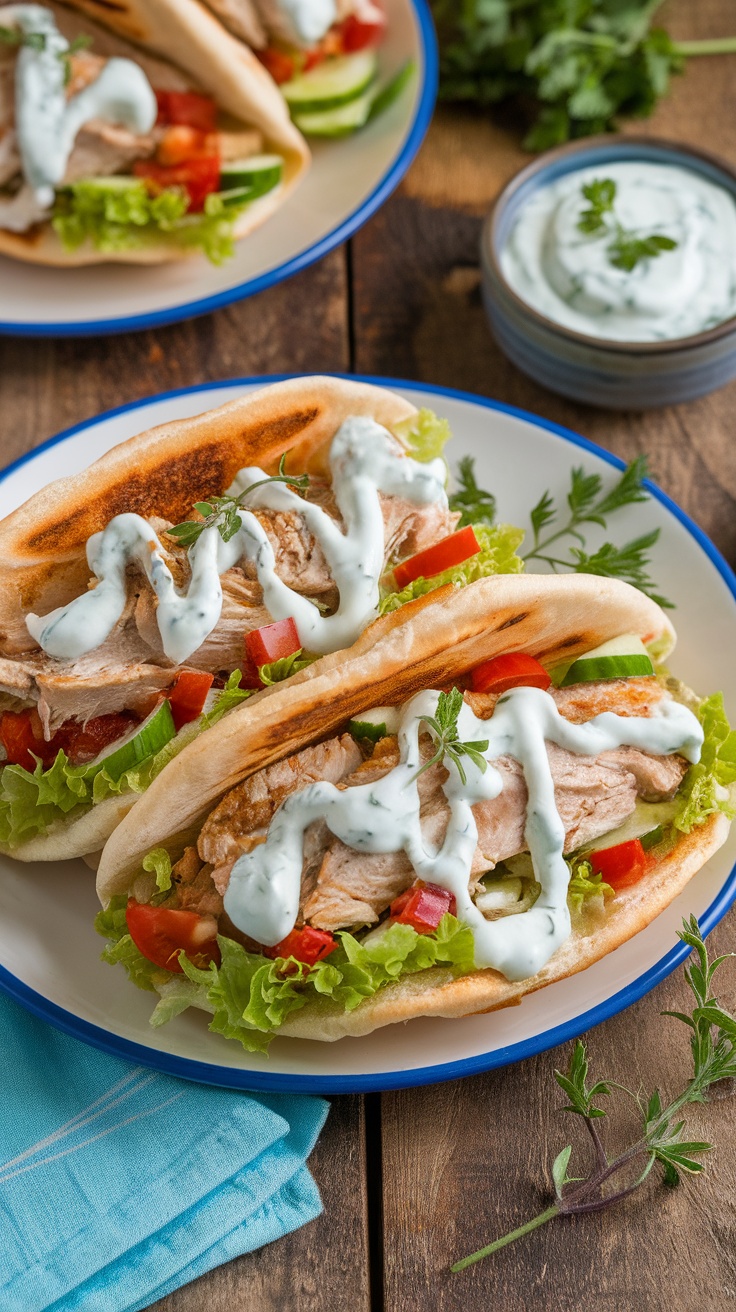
578 67
626 246
587 504
15 36
475 504
713 1047
224 512
443 727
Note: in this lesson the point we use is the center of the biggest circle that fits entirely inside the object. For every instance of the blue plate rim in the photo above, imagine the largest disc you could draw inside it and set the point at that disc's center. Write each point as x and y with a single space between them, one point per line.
429 72
276 1081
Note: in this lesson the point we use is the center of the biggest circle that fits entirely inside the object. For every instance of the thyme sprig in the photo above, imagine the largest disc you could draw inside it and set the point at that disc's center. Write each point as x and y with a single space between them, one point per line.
713 1048
626 246
587 504
444 729
223 512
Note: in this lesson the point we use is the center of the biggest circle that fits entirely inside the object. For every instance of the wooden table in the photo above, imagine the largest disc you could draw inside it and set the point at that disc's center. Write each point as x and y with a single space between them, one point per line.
413 1180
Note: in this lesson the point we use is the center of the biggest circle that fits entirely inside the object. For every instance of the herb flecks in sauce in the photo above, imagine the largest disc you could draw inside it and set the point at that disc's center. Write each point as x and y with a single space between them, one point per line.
626 247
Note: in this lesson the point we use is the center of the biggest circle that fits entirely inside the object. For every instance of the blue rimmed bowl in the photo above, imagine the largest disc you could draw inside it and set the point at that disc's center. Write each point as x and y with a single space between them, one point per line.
616 375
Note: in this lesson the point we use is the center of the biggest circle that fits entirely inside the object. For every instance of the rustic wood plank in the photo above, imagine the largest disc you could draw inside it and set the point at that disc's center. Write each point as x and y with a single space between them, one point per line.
465 1162
45 386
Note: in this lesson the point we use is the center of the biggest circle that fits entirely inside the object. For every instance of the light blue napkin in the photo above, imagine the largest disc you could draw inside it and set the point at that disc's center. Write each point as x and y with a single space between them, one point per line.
118 1184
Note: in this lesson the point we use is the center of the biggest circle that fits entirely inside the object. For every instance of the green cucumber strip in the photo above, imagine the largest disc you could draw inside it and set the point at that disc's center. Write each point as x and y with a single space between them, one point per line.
258 173
589 669
146 739
362 729
386 95
650 840
332 84
336 122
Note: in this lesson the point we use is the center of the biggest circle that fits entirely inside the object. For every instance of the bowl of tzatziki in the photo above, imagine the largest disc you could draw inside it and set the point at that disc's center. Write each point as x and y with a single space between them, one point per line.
609 271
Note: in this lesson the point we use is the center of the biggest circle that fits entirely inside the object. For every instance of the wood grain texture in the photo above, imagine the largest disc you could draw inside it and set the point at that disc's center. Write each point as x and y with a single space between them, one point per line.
464 1163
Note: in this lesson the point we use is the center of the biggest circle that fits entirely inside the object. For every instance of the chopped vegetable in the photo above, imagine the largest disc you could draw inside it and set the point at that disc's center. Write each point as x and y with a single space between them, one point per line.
272 643
187 108
621 866
199 178
281 66
515 669
451 551
362 28
162 933
307 945
620 658
422 906
188 695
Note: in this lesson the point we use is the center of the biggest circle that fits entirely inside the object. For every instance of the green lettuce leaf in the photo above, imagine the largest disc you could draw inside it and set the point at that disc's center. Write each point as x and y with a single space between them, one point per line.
121 950
497 556
250 997
119 214
158 862
585 884
703 790
425 434
227 699
277 671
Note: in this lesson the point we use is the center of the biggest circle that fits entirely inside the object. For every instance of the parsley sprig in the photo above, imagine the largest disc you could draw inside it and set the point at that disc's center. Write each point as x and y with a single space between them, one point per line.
578 67
588 504
443 727
223 512
626 247
15 36
475 504
661 1140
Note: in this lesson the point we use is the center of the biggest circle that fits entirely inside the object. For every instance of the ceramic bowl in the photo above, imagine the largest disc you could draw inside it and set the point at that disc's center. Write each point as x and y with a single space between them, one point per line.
616 375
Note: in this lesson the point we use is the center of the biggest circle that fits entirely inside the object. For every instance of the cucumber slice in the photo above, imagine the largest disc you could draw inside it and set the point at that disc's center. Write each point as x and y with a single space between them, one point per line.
334 83
144 741
336 122
621 658
375 724
647 819
257 173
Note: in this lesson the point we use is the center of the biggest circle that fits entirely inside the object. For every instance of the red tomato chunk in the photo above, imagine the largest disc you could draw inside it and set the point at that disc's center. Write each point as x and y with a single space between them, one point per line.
306 944
21 734
280 65
198 177
161 933
443 555
622 865
187 696
272 643
513 670
187 108
423 907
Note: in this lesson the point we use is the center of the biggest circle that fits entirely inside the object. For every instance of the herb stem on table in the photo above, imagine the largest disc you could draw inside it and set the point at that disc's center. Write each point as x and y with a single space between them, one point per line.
713 1048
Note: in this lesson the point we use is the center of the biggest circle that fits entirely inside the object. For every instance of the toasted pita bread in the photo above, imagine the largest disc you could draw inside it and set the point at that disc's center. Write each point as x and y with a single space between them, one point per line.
422 644
189 40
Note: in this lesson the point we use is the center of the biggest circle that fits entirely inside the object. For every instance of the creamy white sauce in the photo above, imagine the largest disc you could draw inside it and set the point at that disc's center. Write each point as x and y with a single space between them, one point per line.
262 898
303 22
364 459
567 275
46 123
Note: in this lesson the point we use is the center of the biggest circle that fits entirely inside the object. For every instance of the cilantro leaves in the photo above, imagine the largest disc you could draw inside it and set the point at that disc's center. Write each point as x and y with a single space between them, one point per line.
626 248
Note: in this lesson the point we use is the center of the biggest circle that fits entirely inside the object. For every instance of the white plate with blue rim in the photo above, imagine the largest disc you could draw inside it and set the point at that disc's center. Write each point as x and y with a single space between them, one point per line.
348 181
50 954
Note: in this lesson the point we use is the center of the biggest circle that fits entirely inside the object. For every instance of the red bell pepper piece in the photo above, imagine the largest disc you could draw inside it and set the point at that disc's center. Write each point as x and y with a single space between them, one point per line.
272 643
443 555
306 944
281 66
187 108
161 933
422 906
513 670
622 865
187 695
199 177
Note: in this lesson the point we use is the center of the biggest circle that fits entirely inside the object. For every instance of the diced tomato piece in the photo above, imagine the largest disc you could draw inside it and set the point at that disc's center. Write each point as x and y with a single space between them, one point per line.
179 144
187 108
422 906
198 177
83 742
273 642
306 944
513 670
187 696
443 555
365 27
250 677
161 933
19 739
281 66
313 57
622 865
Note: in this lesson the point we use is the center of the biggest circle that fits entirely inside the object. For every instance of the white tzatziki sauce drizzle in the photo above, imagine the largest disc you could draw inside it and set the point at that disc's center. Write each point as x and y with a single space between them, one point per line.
364 460
262 898
567 275
46 123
